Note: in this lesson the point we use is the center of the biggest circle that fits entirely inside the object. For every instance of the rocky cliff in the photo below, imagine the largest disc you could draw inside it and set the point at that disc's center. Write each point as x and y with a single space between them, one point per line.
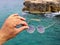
41 6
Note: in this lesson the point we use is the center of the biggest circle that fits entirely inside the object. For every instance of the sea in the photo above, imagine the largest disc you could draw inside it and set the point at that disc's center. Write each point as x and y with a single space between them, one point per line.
51 36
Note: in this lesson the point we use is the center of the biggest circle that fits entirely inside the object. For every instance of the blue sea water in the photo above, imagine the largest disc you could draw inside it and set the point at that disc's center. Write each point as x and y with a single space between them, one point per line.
51 35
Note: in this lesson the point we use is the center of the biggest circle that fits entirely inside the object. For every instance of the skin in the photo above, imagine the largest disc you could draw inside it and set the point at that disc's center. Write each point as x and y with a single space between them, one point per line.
9 29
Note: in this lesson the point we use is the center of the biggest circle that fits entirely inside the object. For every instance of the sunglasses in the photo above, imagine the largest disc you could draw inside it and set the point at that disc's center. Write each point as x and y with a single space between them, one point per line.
40 28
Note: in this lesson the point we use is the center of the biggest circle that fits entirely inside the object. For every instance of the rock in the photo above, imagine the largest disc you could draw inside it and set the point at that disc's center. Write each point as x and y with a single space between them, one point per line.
42 6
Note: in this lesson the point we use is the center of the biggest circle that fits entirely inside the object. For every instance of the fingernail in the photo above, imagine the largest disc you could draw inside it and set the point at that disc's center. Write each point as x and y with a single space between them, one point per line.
28 26
24 19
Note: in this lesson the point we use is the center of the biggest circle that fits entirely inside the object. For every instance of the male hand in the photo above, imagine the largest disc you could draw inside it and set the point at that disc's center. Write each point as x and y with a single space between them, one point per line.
9 29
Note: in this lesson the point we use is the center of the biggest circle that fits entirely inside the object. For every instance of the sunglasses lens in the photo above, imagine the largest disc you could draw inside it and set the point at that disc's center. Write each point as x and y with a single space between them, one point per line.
41 29
31 29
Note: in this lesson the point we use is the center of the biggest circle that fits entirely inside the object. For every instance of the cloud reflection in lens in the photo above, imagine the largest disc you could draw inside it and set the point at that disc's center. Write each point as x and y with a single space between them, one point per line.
31 29
41 29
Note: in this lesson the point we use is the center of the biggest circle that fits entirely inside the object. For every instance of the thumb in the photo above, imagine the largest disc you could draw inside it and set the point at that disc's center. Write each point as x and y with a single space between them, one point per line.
21 29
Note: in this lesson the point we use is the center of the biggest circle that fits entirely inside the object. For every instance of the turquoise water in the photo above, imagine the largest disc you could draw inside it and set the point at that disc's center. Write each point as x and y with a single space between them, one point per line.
51 35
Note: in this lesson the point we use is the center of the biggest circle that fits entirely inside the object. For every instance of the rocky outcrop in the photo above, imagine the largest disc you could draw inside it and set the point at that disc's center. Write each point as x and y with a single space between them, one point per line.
41 7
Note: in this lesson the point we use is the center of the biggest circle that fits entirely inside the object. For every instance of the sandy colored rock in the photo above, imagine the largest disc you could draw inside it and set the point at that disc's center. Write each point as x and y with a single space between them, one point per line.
42 6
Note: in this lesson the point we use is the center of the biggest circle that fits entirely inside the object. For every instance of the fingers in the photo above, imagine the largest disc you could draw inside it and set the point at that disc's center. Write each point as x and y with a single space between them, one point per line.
10 23
24 23
22 18
19 22
17 17
20 29
13 15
